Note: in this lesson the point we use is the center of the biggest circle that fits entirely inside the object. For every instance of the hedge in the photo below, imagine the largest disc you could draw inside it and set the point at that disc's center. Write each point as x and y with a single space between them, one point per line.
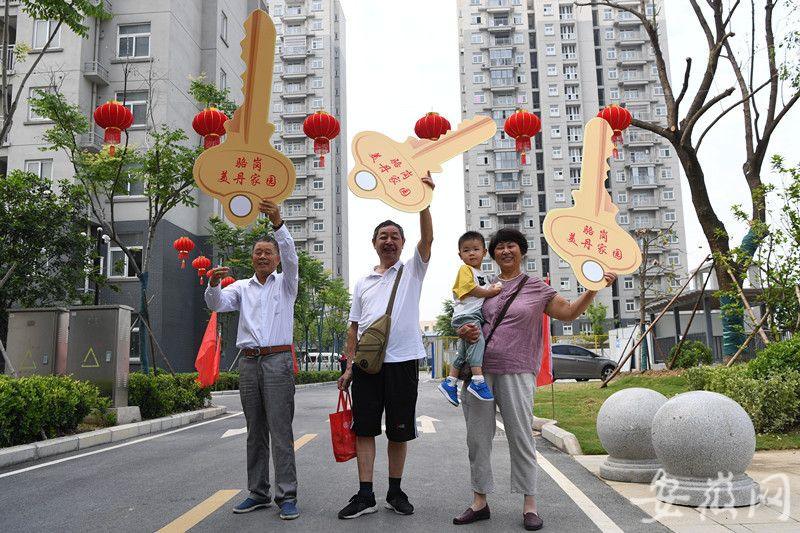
41 407
693 353
773 402
164 394
230 380
777 358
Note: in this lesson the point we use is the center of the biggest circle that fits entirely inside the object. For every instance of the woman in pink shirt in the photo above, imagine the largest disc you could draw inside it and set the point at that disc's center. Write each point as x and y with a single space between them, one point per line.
510 364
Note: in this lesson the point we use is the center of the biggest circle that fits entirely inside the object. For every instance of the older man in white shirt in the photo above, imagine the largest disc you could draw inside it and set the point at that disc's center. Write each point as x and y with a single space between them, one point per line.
266 371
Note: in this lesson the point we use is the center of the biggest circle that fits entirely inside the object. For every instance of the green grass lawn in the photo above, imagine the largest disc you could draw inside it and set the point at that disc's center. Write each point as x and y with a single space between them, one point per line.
577 404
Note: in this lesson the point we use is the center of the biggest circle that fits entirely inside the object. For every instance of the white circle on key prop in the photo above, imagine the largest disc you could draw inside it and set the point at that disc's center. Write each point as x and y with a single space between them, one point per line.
366 181
240 205
592 270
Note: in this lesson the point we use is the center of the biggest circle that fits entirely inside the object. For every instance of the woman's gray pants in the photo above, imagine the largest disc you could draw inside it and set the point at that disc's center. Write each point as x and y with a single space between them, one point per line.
266 386
513 395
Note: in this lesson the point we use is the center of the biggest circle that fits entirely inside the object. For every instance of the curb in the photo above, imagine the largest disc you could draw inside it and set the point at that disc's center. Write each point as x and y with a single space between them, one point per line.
558 437
302 386
47 448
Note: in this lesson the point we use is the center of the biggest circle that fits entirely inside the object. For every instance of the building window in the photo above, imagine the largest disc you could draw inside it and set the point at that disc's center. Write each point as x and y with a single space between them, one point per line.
527 201
318 184
223 80
32 93
669 216
483 180
673 260
549 29
41 167
479 98
487 266
613 94
319 247
559 195
664 151
622 197
668 194
318 205
42 30
316 44
630 306
317 63
485 223
555 132
133 40
564 284
550 50
119 265
581 289
531 245
554 111
476 38
610 35
547 9
223 27
477 58
557 152
316 6
478 78
666 173
316 83
474 19
136 101
552 70
530 265
627 283
317 103
530 223
483 201
566 329
623 218
613 74
620 176
318 225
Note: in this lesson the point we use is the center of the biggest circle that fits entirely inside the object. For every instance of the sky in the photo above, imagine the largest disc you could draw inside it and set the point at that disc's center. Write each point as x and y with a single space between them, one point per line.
402 60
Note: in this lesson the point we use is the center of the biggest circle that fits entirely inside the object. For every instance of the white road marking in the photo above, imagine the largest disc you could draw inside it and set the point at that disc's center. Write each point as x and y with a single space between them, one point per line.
234 432
595 514
122 445
426 424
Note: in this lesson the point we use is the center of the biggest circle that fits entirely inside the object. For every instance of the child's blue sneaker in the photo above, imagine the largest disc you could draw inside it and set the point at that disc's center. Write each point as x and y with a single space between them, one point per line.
480 391
450 392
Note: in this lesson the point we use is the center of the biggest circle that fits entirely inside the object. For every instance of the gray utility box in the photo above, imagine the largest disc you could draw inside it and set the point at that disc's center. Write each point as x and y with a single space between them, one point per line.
99 348
37 341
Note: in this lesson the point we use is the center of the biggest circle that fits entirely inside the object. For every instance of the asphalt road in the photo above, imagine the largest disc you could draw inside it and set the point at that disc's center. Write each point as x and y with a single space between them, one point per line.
190 477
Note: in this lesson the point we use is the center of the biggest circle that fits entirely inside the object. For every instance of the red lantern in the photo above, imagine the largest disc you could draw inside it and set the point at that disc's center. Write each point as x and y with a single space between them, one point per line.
322 127
227 281
113 117
184 245
619 118
201 263
431 126
522 126
210 124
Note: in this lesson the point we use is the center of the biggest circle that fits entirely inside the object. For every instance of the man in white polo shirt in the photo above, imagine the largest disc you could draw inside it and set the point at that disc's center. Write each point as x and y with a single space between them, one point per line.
394 388
266 370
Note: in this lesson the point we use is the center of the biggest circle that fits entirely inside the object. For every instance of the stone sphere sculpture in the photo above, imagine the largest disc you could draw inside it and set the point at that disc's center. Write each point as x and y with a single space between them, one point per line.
624 425
705 441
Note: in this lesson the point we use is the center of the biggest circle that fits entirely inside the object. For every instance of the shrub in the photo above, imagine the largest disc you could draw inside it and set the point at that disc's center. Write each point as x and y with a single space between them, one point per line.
165 394
316 376
778 357
693 353
227 381
37 407
773 403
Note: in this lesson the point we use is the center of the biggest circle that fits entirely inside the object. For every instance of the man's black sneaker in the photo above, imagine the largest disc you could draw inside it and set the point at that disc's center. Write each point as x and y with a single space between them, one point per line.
359 504
399 503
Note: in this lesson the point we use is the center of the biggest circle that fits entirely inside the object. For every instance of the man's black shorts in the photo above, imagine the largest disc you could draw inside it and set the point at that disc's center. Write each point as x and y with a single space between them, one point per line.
394 389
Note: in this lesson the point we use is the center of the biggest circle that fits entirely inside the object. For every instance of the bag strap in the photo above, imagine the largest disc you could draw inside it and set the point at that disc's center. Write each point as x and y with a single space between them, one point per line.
394 290
502 313
344 401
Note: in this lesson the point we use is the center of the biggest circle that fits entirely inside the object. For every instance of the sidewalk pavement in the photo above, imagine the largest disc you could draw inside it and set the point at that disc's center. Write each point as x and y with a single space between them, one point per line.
778 472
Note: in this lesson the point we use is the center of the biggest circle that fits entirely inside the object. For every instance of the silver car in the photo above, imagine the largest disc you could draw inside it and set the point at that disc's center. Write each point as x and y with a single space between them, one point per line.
574 362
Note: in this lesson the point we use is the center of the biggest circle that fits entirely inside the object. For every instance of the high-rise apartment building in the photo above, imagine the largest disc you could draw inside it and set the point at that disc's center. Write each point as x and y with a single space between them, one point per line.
164 44
564 63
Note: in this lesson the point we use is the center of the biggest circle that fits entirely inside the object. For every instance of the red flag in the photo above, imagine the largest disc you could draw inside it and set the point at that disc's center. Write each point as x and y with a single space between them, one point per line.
207 362
294 360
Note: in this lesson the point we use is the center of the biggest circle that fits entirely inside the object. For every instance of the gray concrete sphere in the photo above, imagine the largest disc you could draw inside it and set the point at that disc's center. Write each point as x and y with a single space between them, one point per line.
701 434
625 423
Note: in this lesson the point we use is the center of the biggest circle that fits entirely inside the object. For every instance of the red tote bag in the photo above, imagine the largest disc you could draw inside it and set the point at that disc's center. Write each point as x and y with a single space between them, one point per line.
342 436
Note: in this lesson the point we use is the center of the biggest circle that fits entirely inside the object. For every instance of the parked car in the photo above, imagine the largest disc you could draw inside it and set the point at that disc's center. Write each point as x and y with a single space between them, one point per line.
574 362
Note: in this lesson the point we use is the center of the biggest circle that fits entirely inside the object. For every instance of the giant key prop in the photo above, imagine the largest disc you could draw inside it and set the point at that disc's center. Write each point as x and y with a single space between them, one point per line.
245 167
587 235
392 172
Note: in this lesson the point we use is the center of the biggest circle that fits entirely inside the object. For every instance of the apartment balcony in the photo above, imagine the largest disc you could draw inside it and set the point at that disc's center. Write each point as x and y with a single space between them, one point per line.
504 144
294 73
639 139
95 73
291 93
507 209
300 235
625 19
516 226
294 111
629 81
503 85
294 215
631 60
502 62
294 15
498 26
499 6
507 187
505 42
295 32
300 192
643 182
649 223
295 149
300 170
91 141
294 52
644 204
632 38
11 60
645 161
293 134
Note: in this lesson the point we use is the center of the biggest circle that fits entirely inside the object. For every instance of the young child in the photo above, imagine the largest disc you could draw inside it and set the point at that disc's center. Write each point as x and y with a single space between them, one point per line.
469 291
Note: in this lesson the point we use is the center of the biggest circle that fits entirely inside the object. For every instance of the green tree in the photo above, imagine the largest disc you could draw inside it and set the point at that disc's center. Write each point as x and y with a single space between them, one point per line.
337 309
209 95
45 252
163 168
69 13
309 302
444 319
